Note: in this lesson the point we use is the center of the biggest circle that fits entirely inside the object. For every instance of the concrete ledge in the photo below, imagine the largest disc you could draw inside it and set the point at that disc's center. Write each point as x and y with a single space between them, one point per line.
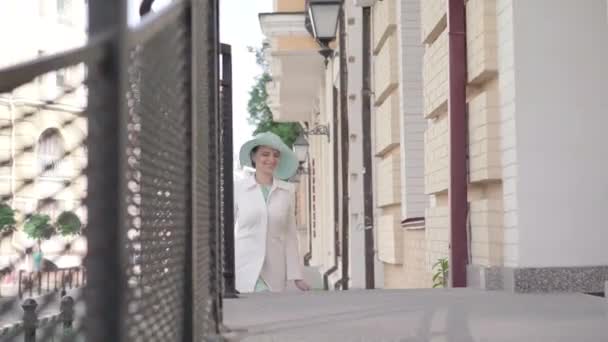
590 279
484 278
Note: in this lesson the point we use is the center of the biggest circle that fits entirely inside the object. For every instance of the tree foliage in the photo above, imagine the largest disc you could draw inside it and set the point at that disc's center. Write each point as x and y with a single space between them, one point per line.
68 224
260 114
7 218
39 227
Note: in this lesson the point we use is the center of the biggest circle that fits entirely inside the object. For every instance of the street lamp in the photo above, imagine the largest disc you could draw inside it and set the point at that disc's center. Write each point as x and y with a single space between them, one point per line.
300 148
322 22
324 19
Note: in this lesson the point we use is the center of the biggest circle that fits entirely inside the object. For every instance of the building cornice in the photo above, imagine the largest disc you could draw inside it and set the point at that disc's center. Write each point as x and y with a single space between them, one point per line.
280 24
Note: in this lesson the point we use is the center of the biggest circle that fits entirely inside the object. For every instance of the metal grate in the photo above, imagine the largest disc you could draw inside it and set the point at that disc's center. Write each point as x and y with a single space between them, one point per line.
206 223
157 185
150 197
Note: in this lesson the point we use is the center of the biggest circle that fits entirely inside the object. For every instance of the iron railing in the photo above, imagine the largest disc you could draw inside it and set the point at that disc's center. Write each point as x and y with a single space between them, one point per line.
32 284
150 176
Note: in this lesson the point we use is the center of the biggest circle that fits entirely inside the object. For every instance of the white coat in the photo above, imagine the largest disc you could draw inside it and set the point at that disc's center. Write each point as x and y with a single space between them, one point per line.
265 236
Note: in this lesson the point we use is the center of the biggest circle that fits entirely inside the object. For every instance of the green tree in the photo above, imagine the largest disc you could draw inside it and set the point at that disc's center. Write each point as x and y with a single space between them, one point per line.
68 224
260 114
39 227
7 219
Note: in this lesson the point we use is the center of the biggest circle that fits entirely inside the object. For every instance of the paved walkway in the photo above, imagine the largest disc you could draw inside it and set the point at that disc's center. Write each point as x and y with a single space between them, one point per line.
426 315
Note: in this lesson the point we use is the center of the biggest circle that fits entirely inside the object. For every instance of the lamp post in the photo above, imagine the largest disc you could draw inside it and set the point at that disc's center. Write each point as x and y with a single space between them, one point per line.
322 23
300 148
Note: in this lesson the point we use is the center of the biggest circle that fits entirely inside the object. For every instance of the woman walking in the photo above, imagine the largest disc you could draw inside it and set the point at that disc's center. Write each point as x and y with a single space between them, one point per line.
266 248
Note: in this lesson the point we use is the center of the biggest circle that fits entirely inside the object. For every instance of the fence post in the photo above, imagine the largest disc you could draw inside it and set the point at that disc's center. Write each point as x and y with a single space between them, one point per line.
30 320
63 283
66 308
39 274
106 127
228 191
20 286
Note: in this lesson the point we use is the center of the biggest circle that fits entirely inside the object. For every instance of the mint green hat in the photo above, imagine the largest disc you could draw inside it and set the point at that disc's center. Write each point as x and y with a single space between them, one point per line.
288 163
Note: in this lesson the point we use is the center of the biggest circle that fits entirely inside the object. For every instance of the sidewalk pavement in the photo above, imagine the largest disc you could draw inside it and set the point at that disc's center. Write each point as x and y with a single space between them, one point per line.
424 315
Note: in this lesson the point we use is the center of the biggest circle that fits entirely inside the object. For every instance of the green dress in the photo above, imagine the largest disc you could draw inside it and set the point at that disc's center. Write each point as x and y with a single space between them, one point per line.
260 285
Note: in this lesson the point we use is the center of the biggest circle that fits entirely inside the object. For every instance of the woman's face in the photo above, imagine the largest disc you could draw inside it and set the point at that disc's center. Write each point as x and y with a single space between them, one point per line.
266 159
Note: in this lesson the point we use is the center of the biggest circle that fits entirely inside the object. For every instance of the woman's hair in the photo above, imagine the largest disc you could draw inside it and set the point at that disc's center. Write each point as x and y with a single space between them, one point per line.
253 151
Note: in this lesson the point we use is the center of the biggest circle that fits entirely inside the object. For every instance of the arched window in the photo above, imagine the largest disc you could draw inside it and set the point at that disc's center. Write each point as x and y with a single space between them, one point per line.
50 152
49 206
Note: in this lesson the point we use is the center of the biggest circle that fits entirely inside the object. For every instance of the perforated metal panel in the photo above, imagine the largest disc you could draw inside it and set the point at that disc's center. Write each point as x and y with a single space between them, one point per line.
146 123
157 177
206 233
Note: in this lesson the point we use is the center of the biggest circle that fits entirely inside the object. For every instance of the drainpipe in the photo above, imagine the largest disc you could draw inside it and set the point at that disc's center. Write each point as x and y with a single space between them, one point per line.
344 143
308 255
368 200
457 190
336 190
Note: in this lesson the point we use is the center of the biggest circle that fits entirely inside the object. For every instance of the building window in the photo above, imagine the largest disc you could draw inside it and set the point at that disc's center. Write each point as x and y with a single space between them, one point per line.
50 152
50 207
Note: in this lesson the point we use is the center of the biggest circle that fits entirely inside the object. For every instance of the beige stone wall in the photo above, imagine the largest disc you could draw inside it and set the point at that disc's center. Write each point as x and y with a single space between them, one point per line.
436 153
508 151
321 151
394 276
386 79
432 18
485 164
289 5
487 227
435 76
413 271
387 128
415 265
484 135
484 132
302 214
295 43
390 236
387 134
437 231
412 122
384 21
436 137
482 53
388 184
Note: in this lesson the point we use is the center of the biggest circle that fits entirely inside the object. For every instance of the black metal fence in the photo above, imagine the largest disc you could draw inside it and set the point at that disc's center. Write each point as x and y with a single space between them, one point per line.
139 151
39 283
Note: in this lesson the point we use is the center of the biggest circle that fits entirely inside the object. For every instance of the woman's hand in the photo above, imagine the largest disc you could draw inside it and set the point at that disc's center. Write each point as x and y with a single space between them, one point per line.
302 285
